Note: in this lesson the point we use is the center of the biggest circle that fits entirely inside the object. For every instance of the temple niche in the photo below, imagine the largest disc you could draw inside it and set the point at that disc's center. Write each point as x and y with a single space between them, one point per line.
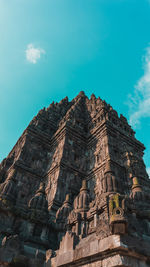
74 190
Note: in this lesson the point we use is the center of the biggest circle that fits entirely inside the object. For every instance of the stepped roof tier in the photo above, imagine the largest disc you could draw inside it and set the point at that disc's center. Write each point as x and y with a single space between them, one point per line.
74 190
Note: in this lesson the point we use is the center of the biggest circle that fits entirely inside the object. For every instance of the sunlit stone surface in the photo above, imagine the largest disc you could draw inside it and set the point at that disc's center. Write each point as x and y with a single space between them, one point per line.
74 190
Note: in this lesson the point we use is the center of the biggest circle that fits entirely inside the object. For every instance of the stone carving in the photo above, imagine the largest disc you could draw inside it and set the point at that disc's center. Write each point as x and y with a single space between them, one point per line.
103 229
74 182
118 221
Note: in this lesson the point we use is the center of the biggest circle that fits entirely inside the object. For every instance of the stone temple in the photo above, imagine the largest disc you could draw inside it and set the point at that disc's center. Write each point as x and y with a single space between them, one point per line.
74 191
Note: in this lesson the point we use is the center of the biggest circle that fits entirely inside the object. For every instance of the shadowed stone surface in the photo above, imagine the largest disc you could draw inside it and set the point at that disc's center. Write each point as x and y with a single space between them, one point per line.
74 190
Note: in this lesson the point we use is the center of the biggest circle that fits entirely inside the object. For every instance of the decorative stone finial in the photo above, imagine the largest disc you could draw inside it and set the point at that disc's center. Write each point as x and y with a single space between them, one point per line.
84 185
67 199
93 97
108 166
81 93
63 211
38 201
137 193
41 188
82 200
136 187
118 222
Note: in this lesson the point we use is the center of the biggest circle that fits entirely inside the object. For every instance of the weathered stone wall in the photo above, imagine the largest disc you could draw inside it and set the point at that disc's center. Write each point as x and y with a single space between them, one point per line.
76 170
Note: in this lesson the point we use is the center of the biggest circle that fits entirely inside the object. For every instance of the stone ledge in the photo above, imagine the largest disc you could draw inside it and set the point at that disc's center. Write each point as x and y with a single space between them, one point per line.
105 252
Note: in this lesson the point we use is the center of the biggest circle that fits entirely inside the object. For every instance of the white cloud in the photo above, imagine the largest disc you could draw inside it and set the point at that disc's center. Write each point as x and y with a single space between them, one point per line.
139 102
33 54
148 171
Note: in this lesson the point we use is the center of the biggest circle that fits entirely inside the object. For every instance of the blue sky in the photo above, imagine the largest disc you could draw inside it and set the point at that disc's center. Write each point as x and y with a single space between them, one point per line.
53 48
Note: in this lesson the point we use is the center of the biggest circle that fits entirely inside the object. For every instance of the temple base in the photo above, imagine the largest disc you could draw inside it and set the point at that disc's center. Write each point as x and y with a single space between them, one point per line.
111 251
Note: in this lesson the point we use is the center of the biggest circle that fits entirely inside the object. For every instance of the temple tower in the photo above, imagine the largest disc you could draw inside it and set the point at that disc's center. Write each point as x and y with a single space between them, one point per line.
74 190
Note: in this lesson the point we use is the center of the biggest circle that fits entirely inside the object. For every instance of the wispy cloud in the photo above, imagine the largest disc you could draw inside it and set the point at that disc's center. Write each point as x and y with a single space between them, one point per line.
139 101
33 54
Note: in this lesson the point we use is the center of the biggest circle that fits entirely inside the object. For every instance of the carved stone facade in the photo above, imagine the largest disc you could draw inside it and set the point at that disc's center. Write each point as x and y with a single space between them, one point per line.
74 190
